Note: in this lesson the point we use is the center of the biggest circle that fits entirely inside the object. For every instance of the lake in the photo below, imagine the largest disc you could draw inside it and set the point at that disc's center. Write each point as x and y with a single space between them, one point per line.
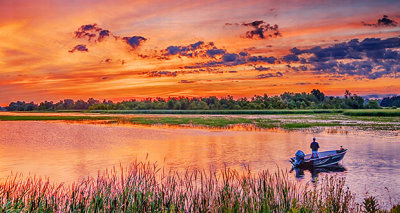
68 151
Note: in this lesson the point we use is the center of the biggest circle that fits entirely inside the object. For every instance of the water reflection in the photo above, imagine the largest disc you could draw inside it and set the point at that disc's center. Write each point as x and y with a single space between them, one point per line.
314 172
66 152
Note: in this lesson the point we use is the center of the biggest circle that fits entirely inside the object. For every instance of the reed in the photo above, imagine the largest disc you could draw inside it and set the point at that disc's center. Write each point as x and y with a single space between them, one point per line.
145 187
373 112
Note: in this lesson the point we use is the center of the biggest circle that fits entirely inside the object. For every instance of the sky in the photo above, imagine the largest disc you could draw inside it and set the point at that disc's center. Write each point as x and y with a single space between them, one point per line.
119 49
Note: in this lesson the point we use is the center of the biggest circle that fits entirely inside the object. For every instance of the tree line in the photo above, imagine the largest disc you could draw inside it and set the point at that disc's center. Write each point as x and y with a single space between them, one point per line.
313 100
391 101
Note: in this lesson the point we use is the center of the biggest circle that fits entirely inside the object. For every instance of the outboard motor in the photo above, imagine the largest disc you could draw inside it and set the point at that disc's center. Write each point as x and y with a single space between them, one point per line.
299 158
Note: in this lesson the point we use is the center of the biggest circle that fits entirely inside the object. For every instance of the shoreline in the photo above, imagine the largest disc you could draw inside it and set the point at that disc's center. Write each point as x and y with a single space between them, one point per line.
283 121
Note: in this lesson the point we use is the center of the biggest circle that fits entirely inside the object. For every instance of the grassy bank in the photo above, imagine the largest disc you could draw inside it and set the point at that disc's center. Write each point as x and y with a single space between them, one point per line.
373 112
143 187
285 122
219 112
49 118
356 112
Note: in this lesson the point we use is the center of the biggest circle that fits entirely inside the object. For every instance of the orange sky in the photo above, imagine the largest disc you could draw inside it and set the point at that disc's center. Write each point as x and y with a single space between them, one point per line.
147 51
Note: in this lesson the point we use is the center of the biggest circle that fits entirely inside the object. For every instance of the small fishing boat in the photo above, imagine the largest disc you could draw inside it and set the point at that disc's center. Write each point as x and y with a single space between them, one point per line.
324 159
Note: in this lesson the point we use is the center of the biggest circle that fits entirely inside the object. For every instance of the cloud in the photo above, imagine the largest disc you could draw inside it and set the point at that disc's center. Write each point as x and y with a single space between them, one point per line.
230 57
385 21
199 48
371 58
290 58
214 52
262 30
186 81
103 34
162 73
80 48
234 59
92 32
303 83
270 60
269 75
134 41
218 56
261 68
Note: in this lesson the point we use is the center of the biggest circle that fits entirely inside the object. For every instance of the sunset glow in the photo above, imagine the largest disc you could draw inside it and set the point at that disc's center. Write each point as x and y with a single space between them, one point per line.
51 50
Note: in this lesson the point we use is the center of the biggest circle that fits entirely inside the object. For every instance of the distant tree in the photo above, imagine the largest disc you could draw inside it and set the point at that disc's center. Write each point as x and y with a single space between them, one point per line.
347 94
81 104
288 100
69 104
391 101
92 102
318 95
372 104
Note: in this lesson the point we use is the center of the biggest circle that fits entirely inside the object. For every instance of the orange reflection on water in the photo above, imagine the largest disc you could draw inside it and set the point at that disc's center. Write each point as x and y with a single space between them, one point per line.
68 151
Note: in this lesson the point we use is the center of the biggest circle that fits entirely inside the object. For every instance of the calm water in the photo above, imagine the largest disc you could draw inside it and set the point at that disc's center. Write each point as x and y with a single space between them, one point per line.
66 152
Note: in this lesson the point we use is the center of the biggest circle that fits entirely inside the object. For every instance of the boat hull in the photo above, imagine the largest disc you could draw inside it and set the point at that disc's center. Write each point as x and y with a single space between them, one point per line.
326 159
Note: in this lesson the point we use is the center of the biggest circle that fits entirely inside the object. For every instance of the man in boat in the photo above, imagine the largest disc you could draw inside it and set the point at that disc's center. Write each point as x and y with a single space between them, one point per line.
314 148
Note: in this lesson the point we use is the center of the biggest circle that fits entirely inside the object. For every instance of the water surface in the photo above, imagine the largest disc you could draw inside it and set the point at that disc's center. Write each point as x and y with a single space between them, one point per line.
66 152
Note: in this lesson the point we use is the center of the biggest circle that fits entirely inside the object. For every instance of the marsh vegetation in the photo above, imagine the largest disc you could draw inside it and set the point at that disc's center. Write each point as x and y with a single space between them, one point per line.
144 187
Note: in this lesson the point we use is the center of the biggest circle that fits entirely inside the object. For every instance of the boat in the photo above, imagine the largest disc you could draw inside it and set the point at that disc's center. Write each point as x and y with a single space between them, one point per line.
324 159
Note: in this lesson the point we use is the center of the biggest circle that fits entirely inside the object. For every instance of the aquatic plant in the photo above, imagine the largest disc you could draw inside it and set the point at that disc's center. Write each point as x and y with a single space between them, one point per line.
373 112
145 187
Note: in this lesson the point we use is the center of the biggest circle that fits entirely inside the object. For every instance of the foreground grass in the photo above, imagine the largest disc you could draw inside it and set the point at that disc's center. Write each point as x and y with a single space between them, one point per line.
143 187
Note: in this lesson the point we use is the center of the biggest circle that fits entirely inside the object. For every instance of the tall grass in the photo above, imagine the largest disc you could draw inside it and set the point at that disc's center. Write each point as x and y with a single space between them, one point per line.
373 112
144 187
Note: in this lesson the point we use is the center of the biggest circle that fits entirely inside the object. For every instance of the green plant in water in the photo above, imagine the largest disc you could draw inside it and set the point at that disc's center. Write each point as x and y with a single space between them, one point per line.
370 205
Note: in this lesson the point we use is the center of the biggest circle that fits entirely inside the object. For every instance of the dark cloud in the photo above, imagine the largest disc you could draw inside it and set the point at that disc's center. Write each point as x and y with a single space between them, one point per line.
371 58
243 53
230 57
218 56
214 52
261 68
80 48
385 21
303 83
92 32
186 81
269 75
134 41
290 58
270 60
103 34
199 48
234 59
231 24
162 74
262 30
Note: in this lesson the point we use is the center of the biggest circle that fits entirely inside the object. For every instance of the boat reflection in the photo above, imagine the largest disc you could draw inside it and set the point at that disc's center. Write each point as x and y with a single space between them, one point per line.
299 172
